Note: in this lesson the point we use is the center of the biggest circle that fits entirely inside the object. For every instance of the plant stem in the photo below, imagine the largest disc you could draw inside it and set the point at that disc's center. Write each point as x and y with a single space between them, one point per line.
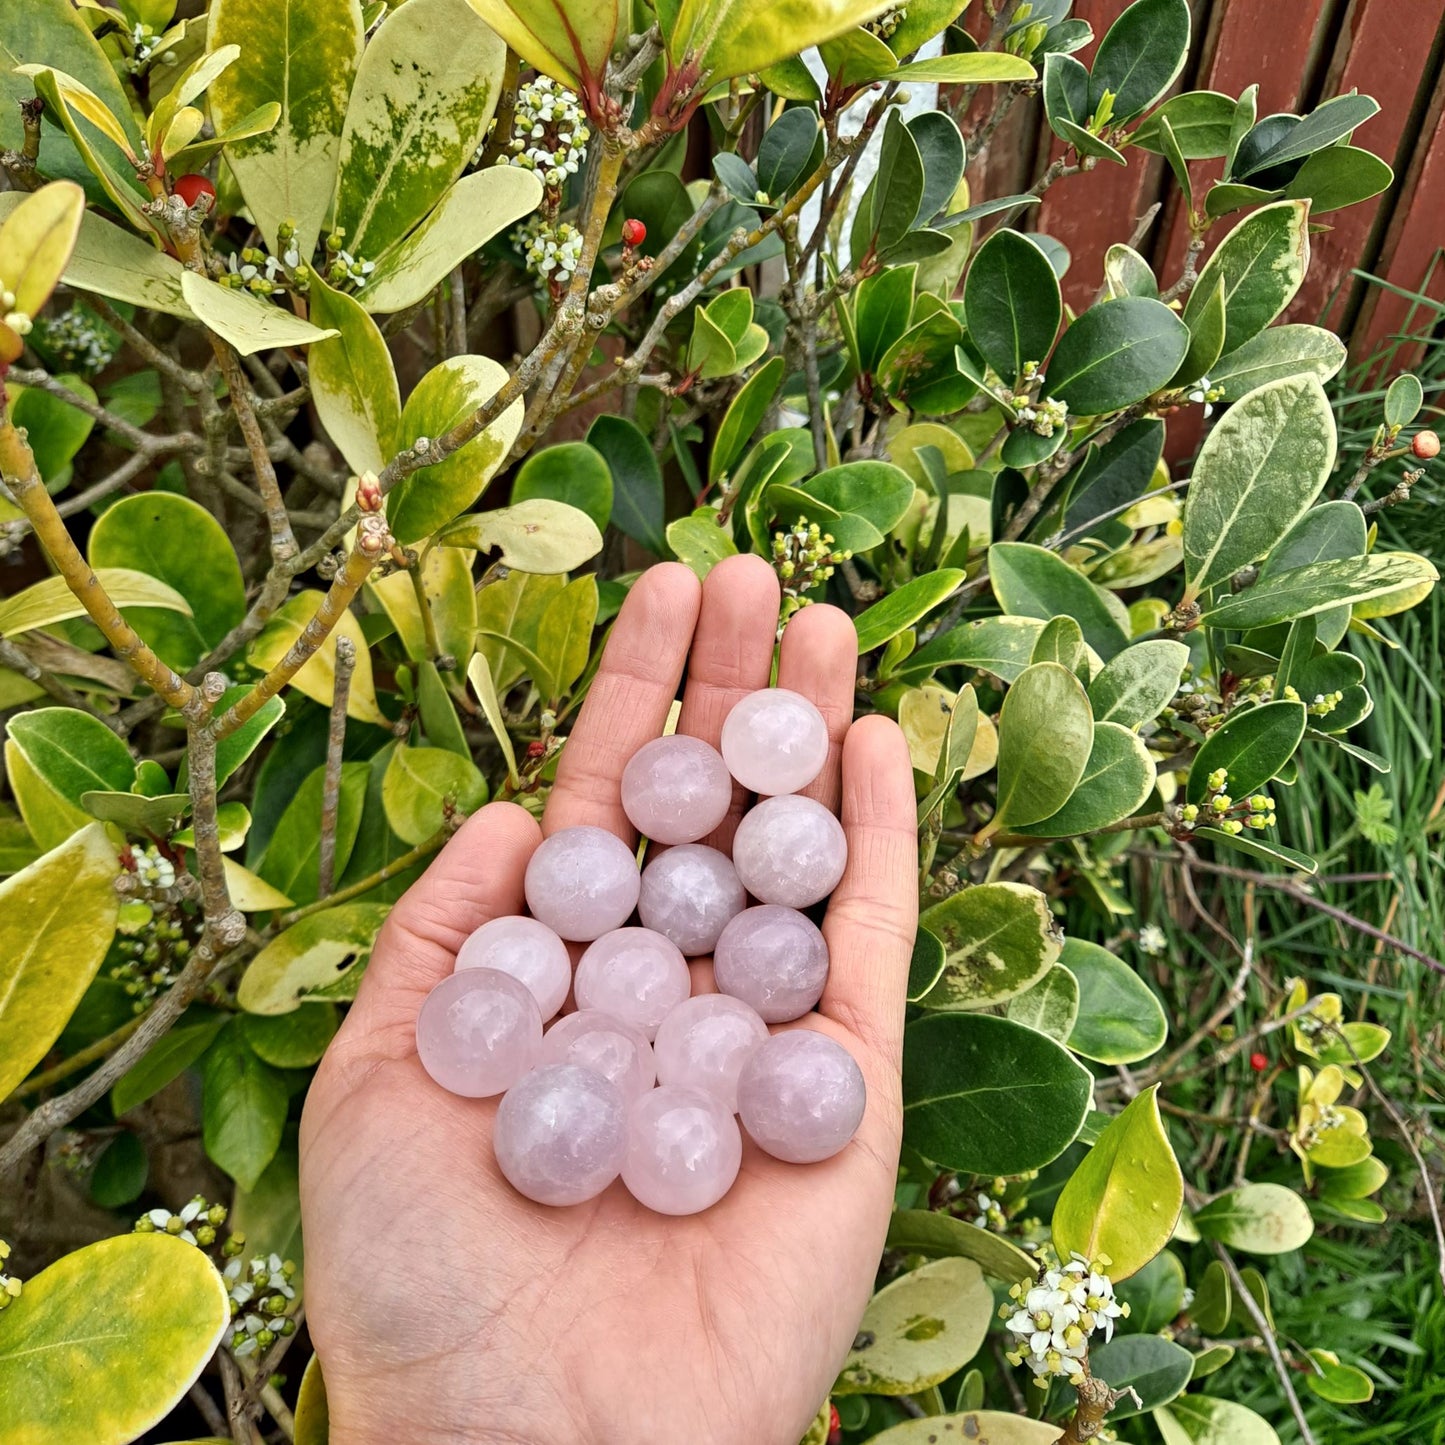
331 781
390 870
39 1083
283 539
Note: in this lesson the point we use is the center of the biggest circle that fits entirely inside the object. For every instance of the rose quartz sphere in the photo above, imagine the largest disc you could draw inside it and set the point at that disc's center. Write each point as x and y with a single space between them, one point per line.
683 1150
774 959
634 974
790 850
527 950
478 1032
774 741
704 1042
582 882
688 894
561 1134
676 789
595 1040
801 1096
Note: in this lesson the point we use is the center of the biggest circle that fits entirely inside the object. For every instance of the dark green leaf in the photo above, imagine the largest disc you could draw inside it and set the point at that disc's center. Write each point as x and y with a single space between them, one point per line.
73 752
244 1105
784 151
572 472
236 747
1200 120
1000 645
637 506
1276 353
292 859
1325 125
876 491
900 609
940 147
1120 1020
1066 90
1031 581
1300 591
1116 353
1011 303
292 1040
167 1058
1114 475
938 1235
120 1172
744 416
1116 780
1206 339
1140 55
1156 1369
1339 176
1255 846
882 312
1251 746
926 964
1155 1295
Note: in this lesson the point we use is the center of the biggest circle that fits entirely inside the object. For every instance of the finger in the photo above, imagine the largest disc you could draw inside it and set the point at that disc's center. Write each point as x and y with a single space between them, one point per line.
475 878
819 658
732 655
628 701
873 915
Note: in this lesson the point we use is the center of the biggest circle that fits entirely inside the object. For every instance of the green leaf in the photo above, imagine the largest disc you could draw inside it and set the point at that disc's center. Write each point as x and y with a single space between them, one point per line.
167 1058
1116 353
1277 353
437 711
310 956
938 1235
133 813
1124 1198
1180 167
313 1414
1011 303
637 506
978 67
988 1096
1045 733
125 1326
1261 263
1127 273
448 584
479 674
269 1215
1156 1369
1155 1295
246 321
1301 591
1403 399
918 1330
1117 778
1339 176
294 1040
292 859
1257 1218
925 965
1338 1383
571 472
1251 746
1213 1302
317 676
1206 341
1136 684
1000 645
1200 120
353 383
911 602
1050 1006
47 817
1140 56
564 638
1062 641
699 541
533 536
1120 1019
304 55
234 749
1327 123
1208 1420
999 939
243 1108
44 603
1254 845
1033 582
1222 200
878 492
55 430
882 312
747 409
420 783
451 391
178 542
73 752
424 96
893 198
1256 474
1066 91
59 917
120 1173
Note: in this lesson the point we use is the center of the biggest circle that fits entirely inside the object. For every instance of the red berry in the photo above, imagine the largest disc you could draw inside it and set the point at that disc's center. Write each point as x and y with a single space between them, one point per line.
835 1426
1425 445
191 188
1258 1063
634 233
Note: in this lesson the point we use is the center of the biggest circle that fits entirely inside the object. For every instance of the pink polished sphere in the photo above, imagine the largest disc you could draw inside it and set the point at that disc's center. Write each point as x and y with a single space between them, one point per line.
774 959
582 882
688 895
704 1043
790 850
683 1150
478 1032
801 1096
527 950
634 974
676 789
561 1134
774 741
595 1040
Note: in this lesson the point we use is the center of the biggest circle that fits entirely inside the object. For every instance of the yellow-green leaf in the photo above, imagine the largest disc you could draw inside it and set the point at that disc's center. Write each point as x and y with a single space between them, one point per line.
310 956
36 242
317 678
569 40
57 918
100 1346
564 638
313 1414
479 674
421 784
974 1427
538 535
931 1232
246 321
51 601
49 818
1123 1200
248 892
447 582
353 381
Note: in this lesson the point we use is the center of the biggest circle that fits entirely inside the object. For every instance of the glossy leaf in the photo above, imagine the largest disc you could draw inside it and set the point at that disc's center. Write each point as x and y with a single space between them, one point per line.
317 676
747 409
939 1235
1157 1369
637 506
568 41
353 382
998 939
1155 1295
1327 123
1136 684
1011 303
1127 273
421 784
72 752
878 492
1117 778
1251 746
911 602
448 584
1260 263
1120 1020
1303 591
989 1096
977 67
1277 353
1045 735
310 956
1124 1198
125 1325
537 535
1257 1218
1339 176
247 322
1050 1006
698 541
570 472
313 1413
44 603
1116 353
59 917
1000 645
243 1109
1032 581
1200 120
1140 56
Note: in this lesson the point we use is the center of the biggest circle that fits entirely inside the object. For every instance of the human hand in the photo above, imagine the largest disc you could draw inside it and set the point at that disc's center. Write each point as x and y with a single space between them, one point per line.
445 1307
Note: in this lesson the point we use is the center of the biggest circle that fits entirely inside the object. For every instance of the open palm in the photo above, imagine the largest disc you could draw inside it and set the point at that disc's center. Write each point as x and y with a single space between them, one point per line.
445 1306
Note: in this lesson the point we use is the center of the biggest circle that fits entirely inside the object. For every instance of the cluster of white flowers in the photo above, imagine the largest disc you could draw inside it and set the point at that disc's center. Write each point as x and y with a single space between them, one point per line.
1152 940
551 250
549 132
153 867
1054 1318
990 1213
261 1295
9 1285
888 22
195 1224
253 270
77 341
1044 417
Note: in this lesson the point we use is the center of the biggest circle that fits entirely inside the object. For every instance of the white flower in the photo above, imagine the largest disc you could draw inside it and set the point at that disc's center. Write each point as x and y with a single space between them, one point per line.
1054 1318
1152 940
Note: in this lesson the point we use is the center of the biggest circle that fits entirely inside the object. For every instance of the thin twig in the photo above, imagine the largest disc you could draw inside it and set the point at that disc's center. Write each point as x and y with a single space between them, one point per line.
331 782
283 539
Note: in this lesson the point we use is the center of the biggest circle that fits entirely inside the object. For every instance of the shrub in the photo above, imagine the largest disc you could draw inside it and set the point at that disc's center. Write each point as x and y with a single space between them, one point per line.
325 579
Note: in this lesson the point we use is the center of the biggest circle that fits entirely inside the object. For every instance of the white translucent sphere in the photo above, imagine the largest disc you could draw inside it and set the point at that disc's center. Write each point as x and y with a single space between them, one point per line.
635 975
529 951
598 1041
704 1043
683 1150
774 959
774 741
790 850
676 789
581 882
478 1032
688 895
561 1134
801 1096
